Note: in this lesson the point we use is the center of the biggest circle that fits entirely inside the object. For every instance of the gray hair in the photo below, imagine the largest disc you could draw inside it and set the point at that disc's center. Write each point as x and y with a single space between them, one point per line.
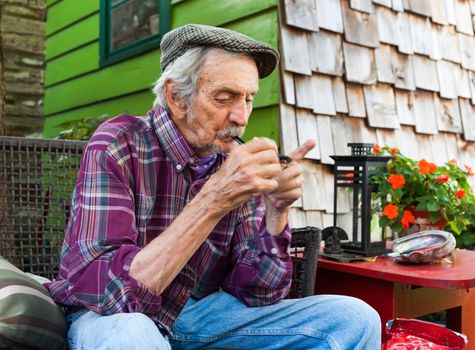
184 73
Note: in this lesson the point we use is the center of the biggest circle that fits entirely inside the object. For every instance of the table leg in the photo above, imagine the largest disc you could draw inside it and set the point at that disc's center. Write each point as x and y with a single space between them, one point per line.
377 293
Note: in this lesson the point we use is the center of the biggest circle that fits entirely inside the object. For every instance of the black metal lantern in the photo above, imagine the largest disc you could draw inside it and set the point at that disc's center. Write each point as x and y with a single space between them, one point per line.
353 178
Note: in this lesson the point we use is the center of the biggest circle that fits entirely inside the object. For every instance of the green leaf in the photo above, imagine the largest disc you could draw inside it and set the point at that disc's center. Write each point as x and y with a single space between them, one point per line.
433 206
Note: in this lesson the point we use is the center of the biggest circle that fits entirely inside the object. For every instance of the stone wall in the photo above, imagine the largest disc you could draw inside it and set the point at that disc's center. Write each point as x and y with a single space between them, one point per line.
22 38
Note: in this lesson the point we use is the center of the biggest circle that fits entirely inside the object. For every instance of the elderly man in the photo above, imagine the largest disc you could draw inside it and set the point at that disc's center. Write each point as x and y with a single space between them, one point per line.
178 236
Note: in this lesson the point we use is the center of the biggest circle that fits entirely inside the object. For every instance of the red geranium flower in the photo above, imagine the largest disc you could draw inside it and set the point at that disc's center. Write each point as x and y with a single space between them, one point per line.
443 178
407 219
469 170
453 161
390 211
394 150
426 167
396 181
376 149
460 194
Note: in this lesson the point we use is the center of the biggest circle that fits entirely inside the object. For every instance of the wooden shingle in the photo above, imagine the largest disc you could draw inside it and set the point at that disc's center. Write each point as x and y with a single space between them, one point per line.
462 81
288 87
439 12
381 106
398 5
326 54
329 15
339 92
467 51
404 30
355 96
425 72
360 28
314 196
405 107
407 141
436 49
421 7
301 14
288 128
324 102
360 64
394 68
445 71
358 130
463 17
387 25
314 218
297 218
362 5
449 44
296 57
421 34
467 111
439 151
450 7
471 80
451 146
424 111
448 114
325 138
386 3
305 92
307 129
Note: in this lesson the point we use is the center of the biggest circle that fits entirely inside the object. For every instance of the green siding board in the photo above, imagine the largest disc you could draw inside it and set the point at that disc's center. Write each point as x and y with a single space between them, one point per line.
140 72
263 122
67 12
78 34
51 2
136 104
72 64
214 12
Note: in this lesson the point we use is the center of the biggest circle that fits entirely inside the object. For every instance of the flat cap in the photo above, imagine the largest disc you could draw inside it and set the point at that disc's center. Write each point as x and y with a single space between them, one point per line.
176 42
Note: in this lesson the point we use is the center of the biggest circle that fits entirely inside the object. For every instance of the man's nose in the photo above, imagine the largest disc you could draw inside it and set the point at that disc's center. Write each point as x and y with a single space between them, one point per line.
239 113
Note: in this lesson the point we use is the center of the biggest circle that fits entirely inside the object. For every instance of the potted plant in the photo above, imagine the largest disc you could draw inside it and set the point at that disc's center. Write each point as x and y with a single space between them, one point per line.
420 192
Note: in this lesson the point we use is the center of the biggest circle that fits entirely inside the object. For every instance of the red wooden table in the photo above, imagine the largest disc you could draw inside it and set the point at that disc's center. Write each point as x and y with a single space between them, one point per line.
397 290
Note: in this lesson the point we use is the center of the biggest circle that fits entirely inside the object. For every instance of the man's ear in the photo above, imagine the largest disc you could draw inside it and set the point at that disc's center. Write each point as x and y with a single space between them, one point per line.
177 108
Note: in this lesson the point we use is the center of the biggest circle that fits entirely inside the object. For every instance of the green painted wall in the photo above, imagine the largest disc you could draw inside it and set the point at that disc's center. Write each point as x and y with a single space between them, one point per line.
76 87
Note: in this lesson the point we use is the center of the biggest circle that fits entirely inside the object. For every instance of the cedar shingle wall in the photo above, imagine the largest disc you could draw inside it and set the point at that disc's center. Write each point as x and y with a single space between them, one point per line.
395 72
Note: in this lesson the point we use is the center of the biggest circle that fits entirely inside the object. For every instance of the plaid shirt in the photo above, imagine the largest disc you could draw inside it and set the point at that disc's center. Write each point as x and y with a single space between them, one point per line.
136 176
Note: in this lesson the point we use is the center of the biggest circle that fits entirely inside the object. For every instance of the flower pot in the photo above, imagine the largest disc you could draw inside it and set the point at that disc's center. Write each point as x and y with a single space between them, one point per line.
422 222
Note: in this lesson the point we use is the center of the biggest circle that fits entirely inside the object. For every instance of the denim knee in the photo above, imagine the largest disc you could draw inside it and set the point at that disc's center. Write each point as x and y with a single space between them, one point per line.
119 331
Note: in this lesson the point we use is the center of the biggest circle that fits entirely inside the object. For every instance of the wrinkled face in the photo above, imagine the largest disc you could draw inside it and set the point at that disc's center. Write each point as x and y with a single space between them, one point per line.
222 104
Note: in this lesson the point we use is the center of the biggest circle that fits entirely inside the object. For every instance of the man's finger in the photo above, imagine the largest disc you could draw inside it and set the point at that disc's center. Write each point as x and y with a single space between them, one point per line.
301 151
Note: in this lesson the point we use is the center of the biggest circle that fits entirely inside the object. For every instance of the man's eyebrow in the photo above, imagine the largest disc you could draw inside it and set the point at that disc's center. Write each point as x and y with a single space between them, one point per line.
232 91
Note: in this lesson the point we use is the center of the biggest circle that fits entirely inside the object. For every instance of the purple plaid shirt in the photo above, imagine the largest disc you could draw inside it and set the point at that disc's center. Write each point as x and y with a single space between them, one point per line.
136 176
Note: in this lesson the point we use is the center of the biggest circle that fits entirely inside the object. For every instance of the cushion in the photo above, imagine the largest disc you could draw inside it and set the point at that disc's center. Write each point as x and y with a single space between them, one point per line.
29 318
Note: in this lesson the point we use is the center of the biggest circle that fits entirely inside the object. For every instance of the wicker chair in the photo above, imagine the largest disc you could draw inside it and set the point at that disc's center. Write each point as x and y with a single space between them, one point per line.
37 178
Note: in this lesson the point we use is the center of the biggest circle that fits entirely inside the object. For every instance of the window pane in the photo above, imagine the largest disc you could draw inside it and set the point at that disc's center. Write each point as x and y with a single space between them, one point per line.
133 20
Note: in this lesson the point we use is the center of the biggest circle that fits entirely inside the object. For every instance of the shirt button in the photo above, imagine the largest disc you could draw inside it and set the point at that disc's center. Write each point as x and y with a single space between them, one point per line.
192 160
178 167
274 251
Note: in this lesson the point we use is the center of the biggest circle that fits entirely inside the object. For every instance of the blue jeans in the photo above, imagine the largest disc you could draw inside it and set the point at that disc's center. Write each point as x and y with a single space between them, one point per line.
220 321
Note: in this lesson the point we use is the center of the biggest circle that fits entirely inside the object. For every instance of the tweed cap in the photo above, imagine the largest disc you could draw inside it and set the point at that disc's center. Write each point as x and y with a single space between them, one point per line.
176 42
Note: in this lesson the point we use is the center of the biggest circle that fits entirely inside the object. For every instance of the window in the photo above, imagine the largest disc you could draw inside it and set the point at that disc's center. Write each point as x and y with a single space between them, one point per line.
131 27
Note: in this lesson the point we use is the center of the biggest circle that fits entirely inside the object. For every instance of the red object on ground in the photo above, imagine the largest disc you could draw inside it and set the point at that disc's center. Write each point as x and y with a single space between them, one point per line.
419 335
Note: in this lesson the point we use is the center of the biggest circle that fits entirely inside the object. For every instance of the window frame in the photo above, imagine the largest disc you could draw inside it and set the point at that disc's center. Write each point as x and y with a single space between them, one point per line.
108 57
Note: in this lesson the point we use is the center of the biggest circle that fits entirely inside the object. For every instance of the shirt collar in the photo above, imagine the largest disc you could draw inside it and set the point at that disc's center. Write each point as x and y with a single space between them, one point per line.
172 140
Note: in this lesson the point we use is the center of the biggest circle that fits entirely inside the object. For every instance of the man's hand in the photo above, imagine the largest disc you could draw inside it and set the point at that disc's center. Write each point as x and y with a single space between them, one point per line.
289 189
250 169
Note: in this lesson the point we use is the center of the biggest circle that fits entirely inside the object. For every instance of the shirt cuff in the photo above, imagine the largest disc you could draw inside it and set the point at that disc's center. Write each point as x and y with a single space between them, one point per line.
278 246
143 299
